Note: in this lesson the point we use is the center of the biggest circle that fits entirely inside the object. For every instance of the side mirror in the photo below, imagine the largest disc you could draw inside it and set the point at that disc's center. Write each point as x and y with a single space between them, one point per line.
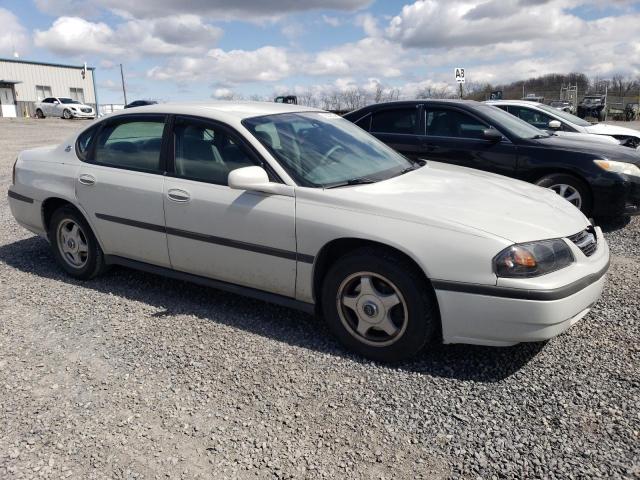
255 179
491 134
56 102
555 125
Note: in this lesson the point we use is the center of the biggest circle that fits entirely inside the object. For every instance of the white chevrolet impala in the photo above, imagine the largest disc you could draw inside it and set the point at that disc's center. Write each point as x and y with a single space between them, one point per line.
302 208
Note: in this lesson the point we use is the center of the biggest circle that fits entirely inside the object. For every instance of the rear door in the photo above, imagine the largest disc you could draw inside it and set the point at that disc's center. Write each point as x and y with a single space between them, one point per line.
455 136
398 127
241 237
121 184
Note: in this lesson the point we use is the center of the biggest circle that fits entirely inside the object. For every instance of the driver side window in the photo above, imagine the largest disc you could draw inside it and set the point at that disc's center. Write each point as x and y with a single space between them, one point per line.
207 153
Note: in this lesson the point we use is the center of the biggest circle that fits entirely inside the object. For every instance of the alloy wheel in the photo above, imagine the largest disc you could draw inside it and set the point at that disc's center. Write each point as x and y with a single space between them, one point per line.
72 243
569 193
372 309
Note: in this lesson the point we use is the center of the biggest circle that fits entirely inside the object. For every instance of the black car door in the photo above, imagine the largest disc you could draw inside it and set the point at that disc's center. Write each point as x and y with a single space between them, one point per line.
452 135
397 126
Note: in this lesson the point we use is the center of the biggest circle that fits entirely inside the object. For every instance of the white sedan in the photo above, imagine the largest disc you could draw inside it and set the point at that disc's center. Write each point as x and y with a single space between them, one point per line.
67 108
563 123
300 207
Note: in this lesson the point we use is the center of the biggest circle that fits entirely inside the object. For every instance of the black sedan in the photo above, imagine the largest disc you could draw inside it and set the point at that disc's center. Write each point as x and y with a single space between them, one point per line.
601 180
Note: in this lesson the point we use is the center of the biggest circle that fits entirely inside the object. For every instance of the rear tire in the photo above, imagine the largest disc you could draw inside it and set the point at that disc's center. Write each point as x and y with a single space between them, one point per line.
39 114
378 305
74 245
568 187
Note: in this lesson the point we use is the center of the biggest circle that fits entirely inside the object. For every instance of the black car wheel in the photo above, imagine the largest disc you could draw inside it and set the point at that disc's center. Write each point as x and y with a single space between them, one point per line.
39 113
379 305
570 188
74 245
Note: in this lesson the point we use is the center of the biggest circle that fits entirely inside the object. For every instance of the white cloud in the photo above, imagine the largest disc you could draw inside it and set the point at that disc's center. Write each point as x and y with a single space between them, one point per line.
266 64
176 35
13 36
332 21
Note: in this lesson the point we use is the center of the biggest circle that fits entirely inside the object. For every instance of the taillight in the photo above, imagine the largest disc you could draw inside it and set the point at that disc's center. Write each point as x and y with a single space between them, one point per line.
13 175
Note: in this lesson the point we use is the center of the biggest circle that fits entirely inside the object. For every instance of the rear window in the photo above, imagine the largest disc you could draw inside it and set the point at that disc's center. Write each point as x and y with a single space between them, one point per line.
399 120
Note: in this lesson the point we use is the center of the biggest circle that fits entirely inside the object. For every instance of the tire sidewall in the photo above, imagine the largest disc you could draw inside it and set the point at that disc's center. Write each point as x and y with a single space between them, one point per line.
421 325
66 114
95 256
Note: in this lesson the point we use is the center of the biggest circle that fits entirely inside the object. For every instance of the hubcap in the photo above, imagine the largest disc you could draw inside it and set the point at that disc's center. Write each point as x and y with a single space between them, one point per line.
569 193
372 309
72 243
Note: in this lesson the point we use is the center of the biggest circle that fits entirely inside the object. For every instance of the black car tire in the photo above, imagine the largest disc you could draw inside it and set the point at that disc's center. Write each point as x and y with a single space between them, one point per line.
419 322
39 114
94 263
565 179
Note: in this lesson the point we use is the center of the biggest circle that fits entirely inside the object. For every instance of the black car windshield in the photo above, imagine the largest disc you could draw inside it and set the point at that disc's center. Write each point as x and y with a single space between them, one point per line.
320 149
68 100
565 116
512 124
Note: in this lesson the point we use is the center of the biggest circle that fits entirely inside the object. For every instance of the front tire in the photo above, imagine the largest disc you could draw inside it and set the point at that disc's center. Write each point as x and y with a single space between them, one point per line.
66 114
570 188
379 305
74 245
39 114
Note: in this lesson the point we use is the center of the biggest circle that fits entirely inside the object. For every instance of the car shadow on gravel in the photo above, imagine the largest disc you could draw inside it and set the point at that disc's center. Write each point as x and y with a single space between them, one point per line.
614 223
171 297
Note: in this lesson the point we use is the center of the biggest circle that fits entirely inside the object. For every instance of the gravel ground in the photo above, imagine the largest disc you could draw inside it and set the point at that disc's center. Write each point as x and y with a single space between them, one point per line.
136 376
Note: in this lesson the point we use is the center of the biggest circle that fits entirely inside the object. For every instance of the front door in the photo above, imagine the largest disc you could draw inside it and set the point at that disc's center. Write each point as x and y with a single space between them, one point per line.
7 102
240 237
121 185
454 136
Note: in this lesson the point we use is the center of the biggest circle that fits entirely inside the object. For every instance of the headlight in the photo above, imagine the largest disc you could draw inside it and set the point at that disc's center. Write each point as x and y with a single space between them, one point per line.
533 259
618 167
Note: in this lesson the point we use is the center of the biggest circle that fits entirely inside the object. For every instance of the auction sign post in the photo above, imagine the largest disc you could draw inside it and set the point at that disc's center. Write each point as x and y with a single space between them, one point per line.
459 72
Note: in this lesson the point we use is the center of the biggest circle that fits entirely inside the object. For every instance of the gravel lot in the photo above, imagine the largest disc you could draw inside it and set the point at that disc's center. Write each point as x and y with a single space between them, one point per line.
136 376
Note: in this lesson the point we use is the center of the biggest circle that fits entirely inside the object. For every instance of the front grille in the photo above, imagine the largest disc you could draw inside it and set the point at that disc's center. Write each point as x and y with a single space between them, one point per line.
586 241
86 110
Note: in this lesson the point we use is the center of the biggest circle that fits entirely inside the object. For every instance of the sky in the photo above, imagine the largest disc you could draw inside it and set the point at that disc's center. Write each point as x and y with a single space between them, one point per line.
201 49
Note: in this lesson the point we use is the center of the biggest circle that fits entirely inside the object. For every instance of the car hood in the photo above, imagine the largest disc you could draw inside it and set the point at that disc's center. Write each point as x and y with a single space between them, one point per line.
465 199
606 129
598 150
588 137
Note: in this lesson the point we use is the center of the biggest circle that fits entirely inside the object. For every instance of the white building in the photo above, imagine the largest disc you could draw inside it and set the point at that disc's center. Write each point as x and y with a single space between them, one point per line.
22 83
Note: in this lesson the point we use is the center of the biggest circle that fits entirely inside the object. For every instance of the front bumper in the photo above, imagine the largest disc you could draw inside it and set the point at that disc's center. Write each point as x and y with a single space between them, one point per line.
504 315
91 114
617 197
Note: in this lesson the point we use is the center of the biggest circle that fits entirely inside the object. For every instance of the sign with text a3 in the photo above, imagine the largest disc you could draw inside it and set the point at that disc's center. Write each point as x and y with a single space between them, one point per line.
459 75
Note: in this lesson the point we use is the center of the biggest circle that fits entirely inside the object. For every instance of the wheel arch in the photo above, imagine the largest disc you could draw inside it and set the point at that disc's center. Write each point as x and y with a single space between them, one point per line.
337 248
51 204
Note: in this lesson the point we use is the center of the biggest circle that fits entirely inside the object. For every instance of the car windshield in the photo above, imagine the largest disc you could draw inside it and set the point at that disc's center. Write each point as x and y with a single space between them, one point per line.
514 125
320 149
68 100
565 116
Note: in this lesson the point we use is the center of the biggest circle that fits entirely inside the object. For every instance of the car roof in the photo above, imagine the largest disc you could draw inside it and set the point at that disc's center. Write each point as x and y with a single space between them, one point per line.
219 109
524 103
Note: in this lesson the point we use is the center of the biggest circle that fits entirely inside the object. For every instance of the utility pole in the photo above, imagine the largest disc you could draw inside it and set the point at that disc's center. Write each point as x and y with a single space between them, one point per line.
124 90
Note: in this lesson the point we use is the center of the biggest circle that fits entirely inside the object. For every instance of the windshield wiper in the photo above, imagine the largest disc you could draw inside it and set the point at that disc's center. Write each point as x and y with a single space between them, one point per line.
351 181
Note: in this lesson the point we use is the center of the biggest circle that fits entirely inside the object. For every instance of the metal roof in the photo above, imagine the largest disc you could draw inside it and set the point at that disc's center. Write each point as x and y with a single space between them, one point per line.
10 82
47 64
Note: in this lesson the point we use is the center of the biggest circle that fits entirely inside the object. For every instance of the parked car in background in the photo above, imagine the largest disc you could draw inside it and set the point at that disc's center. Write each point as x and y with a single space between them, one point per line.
140 103
602 180
593 106
300 207
564 105
541 116
63 107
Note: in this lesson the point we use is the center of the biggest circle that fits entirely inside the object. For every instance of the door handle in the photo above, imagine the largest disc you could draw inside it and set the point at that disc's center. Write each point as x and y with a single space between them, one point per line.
177 195
87 179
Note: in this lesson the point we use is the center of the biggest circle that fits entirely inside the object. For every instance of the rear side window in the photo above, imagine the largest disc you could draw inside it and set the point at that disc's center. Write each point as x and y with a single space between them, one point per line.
452 123
532 117
83 143
399 120
134 145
